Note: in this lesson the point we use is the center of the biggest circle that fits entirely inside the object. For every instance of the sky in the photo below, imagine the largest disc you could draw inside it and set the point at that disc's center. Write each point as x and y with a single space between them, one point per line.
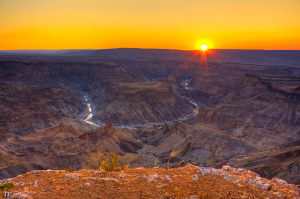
164 24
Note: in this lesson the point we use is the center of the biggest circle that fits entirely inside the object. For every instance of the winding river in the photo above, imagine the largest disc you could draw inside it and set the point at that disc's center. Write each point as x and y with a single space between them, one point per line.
90 114
195 111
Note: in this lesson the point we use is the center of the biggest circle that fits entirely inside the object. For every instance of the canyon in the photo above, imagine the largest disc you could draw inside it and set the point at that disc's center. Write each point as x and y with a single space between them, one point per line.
73 108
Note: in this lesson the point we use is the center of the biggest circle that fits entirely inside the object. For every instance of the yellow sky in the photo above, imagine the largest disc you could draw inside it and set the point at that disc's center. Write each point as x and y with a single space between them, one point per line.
172 24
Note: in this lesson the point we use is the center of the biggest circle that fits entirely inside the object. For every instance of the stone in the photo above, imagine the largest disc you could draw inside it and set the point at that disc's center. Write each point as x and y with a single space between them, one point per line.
258 178
195 177
167 177
19 176
21 195
250 180
279 195
240 170
97 172
193 197
19 184
36 171
226 168
280 181
265 186
151 179
121 177
72 176
87 184
37 181
144 176
259 183
204 171
5 180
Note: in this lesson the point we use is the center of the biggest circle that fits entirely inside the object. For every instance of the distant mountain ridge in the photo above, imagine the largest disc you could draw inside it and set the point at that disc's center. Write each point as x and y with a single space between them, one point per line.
266 57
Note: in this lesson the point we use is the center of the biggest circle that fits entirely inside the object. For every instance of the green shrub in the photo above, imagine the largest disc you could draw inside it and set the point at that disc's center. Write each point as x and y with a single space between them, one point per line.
70 169
6 186
113 164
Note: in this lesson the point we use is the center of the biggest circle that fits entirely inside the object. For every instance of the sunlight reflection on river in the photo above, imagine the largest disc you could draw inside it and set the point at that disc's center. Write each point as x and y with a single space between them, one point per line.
90 115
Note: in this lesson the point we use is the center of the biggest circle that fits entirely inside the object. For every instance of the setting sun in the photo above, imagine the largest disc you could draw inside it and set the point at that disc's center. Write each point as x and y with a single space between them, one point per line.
204 47
203 44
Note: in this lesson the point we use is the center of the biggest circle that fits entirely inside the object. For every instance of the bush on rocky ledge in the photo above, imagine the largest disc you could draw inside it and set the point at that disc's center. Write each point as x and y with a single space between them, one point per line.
113 164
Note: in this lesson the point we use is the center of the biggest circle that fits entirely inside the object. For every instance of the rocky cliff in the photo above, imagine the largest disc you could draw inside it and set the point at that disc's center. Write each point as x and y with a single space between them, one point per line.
25 109
64 146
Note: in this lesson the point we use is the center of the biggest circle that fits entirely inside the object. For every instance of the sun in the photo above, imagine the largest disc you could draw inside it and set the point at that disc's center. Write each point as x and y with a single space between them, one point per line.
203 47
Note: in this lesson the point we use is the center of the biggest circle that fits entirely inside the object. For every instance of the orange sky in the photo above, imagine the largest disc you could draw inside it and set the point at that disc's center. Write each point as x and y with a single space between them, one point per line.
170 24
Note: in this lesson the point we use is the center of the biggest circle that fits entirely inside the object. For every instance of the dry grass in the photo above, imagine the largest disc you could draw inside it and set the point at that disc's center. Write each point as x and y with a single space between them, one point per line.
173 154
156 163
113 164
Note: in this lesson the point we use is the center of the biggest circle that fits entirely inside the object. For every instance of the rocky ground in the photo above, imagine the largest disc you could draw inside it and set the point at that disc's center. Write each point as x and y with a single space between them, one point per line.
189 182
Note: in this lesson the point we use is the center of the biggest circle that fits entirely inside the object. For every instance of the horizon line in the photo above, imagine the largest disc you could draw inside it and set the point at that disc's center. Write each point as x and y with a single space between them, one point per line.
140 48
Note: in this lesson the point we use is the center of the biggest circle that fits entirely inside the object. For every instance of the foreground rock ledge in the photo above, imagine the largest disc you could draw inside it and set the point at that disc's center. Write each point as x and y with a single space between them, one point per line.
185 182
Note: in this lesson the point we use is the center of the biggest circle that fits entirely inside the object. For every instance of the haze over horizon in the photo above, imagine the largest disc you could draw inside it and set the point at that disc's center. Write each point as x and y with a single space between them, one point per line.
78 24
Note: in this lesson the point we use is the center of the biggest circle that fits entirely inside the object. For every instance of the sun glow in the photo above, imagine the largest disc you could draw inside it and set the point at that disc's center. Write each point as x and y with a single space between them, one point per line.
203 47
98 24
